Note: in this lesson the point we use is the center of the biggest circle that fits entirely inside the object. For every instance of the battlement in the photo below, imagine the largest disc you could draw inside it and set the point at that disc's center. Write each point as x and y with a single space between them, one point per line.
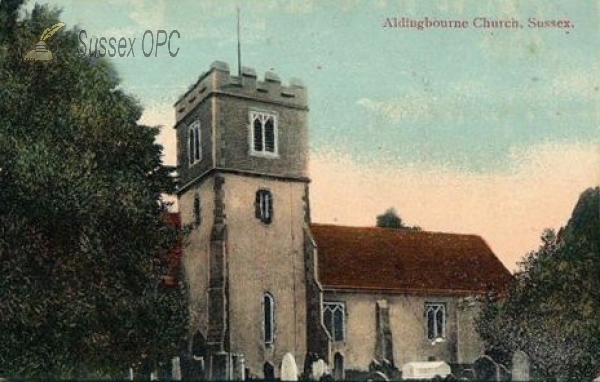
218 80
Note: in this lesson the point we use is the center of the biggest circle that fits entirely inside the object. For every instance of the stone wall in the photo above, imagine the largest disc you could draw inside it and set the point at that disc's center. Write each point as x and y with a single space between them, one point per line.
408 327
470 345
266 258
221 103
196 248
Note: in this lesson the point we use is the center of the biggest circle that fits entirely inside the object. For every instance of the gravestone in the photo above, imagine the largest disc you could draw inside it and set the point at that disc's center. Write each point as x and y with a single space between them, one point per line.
425 370
319 368
239 367
309 361
520 366
486 369
176 369
289 370
467 375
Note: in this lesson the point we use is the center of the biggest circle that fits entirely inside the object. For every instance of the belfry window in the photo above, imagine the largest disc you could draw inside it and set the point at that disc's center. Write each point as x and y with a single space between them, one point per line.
334 320
436 321
263 206
268 318
263 134
194 146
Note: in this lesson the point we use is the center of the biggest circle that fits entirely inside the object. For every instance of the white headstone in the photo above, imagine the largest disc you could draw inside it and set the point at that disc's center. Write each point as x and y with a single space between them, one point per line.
176 369
239 368
520 366
425 370
319 368
289 370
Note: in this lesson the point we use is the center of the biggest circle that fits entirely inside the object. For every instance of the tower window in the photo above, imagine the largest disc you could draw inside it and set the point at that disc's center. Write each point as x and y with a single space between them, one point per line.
436 321
264 133
263 206
197 210
334 320
194 147
268 318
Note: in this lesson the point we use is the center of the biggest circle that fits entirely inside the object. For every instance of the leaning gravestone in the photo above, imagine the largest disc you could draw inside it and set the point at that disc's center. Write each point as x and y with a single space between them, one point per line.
486 369
520 367
289 370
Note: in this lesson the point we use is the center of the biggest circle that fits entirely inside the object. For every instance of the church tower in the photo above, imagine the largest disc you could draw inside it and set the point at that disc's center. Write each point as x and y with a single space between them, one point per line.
242 157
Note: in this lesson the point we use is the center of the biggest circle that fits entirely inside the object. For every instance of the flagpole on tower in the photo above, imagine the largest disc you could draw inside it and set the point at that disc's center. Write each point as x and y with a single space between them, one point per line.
239 47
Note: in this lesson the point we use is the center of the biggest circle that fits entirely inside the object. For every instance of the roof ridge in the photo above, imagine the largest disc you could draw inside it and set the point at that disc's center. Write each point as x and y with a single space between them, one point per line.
403 230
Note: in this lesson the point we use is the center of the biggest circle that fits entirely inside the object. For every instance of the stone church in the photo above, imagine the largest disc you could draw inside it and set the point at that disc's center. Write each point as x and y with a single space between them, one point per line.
265 281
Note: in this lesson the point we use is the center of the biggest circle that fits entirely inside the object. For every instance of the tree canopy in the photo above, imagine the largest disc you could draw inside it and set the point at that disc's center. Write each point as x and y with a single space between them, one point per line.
553 310
81 216
391 219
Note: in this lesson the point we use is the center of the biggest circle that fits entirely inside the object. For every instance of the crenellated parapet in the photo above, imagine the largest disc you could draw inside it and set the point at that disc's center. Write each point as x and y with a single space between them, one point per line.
219 80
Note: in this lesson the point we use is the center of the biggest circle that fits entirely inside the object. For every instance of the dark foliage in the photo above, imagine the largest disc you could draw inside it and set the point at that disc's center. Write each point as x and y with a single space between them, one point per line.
391 219
553 311
81 223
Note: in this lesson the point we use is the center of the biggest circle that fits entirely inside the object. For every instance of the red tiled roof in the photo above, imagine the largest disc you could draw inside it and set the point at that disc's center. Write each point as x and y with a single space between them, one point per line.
398 260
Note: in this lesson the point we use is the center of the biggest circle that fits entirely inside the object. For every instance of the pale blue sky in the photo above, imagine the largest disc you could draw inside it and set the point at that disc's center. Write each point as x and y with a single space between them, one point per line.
477 107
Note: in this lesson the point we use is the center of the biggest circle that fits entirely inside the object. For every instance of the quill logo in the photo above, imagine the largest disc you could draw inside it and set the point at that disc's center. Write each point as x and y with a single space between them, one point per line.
41 53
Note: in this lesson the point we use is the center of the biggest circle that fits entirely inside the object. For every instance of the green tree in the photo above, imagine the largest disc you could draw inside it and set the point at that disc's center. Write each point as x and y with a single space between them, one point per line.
553 310
391 219
81 217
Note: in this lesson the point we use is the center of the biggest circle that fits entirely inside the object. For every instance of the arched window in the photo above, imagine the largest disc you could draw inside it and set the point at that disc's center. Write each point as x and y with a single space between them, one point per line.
334 320
263 206
263 134
194 146
197 210
268 318
197 147
192 138
436 321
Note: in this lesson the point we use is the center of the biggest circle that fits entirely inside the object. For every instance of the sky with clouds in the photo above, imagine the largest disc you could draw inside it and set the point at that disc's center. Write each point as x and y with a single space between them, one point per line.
492 131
